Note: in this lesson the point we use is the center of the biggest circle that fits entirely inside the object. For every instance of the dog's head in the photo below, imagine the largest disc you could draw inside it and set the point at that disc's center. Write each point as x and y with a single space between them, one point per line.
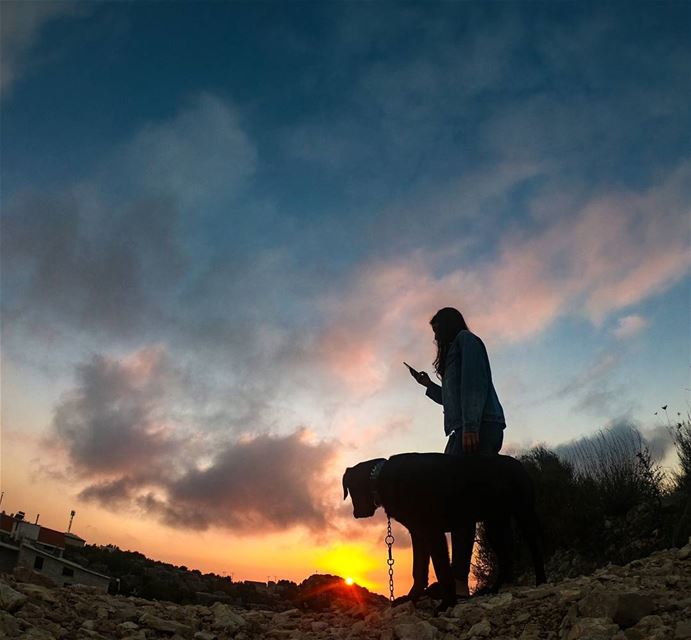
356 480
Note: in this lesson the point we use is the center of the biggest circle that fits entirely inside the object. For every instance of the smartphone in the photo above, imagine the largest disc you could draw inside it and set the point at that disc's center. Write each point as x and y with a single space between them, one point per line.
415 373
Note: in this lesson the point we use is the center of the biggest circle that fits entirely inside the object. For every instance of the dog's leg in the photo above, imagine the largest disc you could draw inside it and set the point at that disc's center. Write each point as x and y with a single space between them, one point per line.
530 527
421 555
462 541
442 567
499 538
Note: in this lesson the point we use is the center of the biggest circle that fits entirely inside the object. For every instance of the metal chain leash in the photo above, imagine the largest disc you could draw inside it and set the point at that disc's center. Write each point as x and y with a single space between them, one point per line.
389 542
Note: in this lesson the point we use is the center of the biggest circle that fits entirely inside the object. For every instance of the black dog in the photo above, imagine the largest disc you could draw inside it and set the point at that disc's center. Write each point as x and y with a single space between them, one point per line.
431 493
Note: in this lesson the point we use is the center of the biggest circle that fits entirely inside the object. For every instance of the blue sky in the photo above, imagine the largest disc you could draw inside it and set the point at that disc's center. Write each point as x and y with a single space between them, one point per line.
226 224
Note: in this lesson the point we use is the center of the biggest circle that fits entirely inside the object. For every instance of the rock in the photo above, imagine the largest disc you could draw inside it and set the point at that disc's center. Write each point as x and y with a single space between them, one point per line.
38 592
500 600
93 635
403 609
159 624
10 600
35 633
9 627
570 594
592 629
225 618
625 608
584 608
24 574
418 630
480 629
531 632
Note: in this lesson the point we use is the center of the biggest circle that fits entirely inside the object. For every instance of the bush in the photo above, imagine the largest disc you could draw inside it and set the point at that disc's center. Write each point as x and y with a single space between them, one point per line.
680 495
601 500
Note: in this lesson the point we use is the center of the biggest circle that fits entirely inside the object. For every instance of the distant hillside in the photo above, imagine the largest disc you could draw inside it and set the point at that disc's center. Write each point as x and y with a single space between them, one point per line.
155 580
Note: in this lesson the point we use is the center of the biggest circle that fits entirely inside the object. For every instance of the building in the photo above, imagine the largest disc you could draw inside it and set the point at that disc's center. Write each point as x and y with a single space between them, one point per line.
39 548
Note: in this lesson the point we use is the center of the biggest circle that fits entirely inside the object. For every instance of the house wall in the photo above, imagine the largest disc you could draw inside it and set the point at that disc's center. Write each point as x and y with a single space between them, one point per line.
8 558
60 571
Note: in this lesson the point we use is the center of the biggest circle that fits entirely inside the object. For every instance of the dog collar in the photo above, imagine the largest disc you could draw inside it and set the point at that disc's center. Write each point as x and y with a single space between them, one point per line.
373 477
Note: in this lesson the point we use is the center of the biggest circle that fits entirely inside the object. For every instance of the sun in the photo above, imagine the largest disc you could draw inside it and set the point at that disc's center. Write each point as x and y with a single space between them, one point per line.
349 561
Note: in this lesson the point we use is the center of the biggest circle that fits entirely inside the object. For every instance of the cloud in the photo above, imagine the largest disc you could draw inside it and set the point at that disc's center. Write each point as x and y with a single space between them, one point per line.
68 259
620 439
272 482
199 157
629 326
111 422
603 365
127 448
109 254
20 29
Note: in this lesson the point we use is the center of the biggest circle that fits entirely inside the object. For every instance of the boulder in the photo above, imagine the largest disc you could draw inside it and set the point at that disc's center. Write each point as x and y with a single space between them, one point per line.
480 629
9 627
225 618
592 629
682 630
10 600
24 574
151 621
414 630
624 608
38 592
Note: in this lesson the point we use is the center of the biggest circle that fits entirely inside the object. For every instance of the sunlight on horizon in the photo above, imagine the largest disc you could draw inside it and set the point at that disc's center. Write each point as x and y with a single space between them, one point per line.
353 562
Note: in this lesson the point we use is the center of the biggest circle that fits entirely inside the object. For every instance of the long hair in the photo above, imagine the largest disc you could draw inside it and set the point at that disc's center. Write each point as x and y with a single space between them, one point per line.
449 322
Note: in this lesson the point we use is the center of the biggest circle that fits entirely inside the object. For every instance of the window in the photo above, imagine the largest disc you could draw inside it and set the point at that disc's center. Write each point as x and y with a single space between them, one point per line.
38 563
66 571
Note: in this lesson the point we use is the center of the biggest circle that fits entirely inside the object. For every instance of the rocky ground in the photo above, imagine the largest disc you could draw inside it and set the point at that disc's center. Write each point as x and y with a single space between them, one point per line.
648 599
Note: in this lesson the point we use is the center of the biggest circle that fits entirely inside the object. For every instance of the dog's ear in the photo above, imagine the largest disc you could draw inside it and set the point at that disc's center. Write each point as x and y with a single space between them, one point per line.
345 486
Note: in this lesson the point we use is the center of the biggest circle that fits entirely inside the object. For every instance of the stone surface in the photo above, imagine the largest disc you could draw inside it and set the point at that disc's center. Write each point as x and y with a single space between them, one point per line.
418 630
151 621
625 608
649 599
480 629
226 618
592 629
682 630
10 600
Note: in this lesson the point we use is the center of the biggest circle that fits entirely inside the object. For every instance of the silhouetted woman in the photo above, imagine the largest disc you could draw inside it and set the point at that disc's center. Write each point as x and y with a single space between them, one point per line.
473 417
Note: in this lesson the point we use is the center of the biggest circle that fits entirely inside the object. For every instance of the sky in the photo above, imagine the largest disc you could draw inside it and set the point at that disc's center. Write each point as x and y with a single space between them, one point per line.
226 224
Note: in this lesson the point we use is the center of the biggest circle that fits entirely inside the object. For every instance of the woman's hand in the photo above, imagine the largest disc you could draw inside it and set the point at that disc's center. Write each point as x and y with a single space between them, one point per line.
471 442
422 378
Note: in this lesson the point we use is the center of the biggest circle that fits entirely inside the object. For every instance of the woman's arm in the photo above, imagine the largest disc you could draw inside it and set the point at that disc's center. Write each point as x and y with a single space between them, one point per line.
434 392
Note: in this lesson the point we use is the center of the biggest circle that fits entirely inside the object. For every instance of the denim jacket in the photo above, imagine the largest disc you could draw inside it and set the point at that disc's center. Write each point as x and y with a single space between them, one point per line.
466 391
